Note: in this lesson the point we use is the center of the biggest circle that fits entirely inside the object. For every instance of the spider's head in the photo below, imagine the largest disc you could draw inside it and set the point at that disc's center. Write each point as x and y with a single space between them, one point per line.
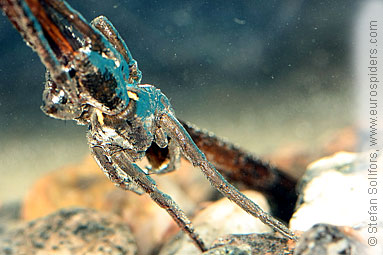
57 103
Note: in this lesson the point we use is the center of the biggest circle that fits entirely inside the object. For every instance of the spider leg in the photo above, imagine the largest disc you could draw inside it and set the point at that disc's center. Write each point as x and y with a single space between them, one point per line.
102 24
106 27
121 180
134 174
190 150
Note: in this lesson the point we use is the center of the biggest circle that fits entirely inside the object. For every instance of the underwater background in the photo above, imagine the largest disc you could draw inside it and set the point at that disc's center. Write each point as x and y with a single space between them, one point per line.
263 74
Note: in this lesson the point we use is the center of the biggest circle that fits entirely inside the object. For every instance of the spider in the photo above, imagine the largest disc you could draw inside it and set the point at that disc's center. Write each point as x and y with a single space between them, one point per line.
92 78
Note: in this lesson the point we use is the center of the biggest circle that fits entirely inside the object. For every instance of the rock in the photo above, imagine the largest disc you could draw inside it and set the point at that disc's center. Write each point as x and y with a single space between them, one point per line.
345 139
218 219
257 244
338 205
70 231
334 190
85 185
82 185
296 156
332 240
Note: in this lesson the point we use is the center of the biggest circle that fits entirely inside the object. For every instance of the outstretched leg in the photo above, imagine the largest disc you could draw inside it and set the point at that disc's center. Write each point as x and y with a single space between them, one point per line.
102 24
136 177
176 131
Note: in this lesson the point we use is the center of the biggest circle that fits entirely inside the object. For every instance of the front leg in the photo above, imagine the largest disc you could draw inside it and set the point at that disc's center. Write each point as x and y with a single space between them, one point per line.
190 150
134 177
119 178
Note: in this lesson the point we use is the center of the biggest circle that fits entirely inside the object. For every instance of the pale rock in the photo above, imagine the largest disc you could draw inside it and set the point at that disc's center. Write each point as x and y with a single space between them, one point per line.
334 190
219 219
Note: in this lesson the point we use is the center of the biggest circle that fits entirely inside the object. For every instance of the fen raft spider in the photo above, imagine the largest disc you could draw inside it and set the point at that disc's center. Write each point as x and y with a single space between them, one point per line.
92 78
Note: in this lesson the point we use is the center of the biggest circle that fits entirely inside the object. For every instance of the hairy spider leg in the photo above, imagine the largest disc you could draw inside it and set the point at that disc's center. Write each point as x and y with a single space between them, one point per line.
190 150
136 176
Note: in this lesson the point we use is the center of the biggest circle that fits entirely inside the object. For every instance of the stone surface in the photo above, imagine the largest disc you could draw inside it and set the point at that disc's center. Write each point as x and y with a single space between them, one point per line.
331 191
332 240
85 185
70 231
297 155
218 219
334 190
337 206
252 244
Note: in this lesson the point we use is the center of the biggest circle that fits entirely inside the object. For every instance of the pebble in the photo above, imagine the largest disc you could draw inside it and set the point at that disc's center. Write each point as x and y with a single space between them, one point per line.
70 231
267 243
330 217
334 204
220 218
334 240
84 185
334 191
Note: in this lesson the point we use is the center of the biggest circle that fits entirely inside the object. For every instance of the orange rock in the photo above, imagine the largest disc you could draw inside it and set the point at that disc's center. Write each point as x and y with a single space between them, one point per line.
342 140
85 185
296 156
78 185
72 231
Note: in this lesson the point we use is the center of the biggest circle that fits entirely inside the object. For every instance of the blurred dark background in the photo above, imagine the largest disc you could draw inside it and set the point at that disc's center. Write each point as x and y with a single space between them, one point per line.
263 74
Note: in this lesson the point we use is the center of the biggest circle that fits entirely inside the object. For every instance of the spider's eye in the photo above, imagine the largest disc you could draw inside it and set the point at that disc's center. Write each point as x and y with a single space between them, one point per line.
72 72
59 98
